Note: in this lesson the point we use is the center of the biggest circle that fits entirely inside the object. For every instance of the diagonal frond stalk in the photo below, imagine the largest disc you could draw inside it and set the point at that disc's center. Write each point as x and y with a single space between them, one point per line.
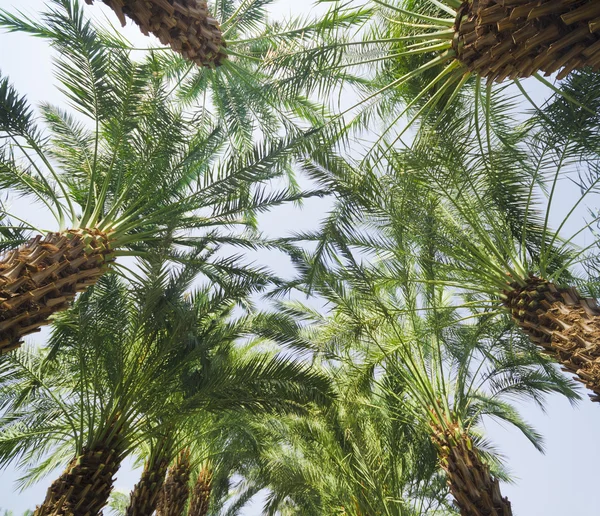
448 22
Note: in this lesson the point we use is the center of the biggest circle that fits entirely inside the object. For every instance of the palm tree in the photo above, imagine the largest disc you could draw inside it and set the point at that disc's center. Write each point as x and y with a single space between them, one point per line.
354 459
175 491
146 493
185 26
142 170
264 88
484 201
396 315
419 69
498 40
272 72
121 359
216 447
201 493
495 211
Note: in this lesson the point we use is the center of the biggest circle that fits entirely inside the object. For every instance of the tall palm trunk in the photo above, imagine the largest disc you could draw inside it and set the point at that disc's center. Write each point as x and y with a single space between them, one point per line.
201 494
517 38
475 490
565 324
185 25
42 276
175 492
146 493
85 486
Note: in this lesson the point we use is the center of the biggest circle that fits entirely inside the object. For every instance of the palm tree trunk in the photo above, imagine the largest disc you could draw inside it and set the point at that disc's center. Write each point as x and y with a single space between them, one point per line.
84 487
201 494
185 25
517 38
146 493
175 492
475 490
565 324
43 276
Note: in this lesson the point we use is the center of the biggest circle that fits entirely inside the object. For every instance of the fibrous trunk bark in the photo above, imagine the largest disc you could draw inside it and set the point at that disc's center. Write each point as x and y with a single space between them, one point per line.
201 494
516 38
175 492
84 487
146 493
42 276
475 490
185 25
564 323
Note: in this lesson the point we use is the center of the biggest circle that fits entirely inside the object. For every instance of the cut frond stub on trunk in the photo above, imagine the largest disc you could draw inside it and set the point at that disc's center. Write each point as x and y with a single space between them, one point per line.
185 25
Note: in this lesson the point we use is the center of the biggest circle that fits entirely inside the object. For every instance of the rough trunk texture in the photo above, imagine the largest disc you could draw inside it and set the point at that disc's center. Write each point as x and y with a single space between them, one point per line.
175 491
516 38
201 494
84 487
565 324
475 491
145 495
184 25
42 276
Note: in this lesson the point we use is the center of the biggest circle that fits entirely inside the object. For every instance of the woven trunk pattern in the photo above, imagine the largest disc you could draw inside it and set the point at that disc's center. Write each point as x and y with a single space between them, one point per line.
500 39
175 491
565 324
201 494
43 276
145 494
475 490
84 487
185 25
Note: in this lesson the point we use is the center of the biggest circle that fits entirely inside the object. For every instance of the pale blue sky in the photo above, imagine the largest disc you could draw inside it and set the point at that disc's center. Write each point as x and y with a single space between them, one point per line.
562 482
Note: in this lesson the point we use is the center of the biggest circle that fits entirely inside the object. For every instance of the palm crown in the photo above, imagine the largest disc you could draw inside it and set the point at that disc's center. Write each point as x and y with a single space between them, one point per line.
412 350
138 366
356 458
139 170
429 59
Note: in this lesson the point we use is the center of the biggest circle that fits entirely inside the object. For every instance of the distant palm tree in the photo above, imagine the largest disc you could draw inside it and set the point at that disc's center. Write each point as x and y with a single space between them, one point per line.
174 494
120 360
208 449
201 493
355 459
146 492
